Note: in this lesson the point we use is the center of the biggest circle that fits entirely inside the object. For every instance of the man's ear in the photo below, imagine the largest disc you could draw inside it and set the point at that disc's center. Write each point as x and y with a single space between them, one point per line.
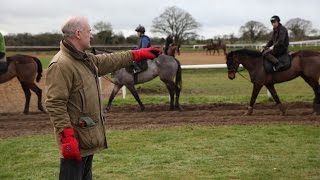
77 34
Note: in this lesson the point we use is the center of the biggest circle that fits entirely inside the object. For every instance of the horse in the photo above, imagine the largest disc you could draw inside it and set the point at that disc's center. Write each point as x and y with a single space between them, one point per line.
215 47
27 69
164 66
173 49
305 64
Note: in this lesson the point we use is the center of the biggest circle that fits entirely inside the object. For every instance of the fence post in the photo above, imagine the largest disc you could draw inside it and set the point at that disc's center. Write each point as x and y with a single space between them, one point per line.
124 92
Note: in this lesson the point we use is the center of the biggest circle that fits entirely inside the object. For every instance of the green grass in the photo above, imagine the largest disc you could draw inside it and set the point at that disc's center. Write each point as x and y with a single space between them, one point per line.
208 86
225 152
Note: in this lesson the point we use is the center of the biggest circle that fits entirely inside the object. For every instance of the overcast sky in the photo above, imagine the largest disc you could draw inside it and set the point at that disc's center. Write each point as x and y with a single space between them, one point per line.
216 17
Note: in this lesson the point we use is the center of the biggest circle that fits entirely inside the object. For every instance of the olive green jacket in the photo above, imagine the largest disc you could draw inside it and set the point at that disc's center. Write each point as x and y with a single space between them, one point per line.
73 93
2 44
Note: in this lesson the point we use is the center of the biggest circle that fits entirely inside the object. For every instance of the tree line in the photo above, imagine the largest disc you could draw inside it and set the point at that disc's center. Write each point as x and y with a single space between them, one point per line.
174 21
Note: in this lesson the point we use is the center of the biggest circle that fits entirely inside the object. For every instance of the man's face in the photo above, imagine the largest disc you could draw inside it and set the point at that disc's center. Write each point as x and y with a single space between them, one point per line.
85 36
139 34
275 24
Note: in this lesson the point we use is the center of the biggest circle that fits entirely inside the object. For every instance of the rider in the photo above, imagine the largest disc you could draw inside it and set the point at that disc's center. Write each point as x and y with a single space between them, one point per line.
3 61
211 42
169 42
280 42
144 42
219 42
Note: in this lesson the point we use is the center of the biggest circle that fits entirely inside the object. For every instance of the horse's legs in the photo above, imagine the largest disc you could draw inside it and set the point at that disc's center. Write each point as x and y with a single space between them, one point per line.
177 104
171 88
38 92
27 94
274 94
255 91
115 90
316 89
134 92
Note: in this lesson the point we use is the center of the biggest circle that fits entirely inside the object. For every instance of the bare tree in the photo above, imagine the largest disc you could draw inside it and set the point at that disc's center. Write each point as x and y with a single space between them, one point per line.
103 33
253 30
299 28
177 22
102 26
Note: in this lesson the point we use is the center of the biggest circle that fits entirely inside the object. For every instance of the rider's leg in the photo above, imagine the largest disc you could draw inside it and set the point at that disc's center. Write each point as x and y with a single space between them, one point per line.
270 57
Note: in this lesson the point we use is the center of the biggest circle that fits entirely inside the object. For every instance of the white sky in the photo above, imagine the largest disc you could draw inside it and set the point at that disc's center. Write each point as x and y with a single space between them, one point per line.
216 17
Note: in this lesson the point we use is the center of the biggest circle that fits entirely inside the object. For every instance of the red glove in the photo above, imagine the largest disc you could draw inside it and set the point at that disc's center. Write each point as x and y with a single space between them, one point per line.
69 145
145 53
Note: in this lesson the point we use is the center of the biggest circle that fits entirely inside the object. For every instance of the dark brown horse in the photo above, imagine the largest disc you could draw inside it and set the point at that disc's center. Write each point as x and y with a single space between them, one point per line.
215 47
305 64
172 50
27 69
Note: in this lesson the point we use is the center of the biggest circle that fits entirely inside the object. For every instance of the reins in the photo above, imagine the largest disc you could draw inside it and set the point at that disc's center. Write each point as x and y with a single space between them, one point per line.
243 76
108 79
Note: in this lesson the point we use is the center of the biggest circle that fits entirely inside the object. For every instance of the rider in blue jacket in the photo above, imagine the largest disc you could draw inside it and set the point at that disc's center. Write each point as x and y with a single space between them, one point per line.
143 42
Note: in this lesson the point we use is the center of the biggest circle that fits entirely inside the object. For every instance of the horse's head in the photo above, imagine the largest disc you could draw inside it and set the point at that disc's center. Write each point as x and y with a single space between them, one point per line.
232 64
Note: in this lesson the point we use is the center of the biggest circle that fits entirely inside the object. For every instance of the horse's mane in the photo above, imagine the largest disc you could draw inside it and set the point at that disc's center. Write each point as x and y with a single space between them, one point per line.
306 53
248 52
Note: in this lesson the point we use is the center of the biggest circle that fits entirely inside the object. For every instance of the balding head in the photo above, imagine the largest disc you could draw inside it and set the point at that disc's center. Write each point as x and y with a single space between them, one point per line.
73 24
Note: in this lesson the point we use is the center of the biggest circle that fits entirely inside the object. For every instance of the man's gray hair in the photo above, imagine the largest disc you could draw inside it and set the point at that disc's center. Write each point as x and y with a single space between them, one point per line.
73 24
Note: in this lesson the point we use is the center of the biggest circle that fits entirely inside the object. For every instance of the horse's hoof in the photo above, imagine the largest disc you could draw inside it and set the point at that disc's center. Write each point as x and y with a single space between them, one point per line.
25 112
282 113
106 110
142 109
179 108
249 112
40 108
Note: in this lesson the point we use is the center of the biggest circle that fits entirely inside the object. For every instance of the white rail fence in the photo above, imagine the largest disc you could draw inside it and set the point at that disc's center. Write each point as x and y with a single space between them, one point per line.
200 66
260 45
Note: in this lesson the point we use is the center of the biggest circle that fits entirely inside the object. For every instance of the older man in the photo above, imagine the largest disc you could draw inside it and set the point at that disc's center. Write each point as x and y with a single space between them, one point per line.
74 99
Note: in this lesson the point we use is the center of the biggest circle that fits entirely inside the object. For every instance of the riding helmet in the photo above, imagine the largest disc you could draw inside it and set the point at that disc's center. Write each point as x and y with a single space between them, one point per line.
140 29
275 18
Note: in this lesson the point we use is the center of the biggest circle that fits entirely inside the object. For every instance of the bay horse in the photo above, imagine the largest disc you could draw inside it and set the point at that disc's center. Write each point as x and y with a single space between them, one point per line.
173 49
305 64
166 67
215 47
27 69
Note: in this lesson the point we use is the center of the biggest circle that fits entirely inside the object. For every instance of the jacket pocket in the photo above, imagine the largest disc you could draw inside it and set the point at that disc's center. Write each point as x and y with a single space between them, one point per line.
90 137
83 101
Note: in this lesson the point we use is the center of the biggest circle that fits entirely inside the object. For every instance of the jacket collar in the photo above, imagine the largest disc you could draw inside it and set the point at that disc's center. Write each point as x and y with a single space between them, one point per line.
276 29
67 46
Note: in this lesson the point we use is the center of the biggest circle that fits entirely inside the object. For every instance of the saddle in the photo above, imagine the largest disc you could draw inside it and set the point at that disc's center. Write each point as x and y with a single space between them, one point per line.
284 59
142 65
136 68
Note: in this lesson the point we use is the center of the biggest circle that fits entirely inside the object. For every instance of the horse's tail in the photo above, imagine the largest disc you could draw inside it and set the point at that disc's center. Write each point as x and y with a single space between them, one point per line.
178 75
39 68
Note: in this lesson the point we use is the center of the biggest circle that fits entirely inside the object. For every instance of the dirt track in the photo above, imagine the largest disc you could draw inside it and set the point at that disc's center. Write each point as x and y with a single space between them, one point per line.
17 124
14 123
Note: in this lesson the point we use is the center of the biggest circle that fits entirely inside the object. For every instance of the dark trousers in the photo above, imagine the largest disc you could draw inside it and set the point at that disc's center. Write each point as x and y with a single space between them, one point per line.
76 170
166 48
2 55
269 55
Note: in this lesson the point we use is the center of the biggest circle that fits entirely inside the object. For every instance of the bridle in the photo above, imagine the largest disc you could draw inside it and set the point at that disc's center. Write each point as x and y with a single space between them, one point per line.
235 70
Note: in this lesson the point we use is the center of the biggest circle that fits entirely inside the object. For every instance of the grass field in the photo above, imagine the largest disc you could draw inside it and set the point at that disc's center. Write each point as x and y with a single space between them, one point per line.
227 152
213 86
264 151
